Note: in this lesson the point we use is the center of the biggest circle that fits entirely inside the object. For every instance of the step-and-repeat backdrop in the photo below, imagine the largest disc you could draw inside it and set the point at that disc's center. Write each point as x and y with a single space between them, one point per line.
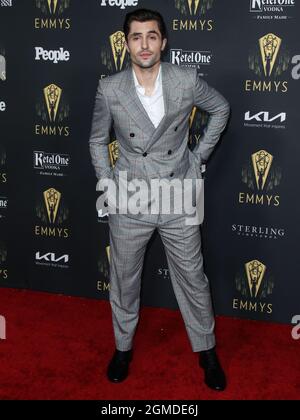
52 54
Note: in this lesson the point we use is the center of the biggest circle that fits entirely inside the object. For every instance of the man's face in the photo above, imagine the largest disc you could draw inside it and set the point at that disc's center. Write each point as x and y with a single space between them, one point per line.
145 43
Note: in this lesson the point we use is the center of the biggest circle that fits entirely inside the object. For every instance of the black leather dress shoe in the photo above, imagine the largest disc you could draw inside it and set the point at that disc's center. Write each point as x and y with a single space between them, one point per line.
118 367
214 376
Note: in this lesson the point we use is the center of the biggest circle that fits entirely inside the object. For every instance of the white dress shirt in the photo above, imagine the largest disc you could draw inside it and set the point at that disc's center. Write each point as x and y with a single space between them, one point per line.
154 104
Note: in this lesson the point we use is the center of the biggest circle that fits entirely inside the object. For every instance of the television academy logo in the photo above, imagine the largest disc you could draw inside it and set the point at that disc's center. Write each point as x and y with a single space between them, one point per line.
257 232
271 9
53 56
255 284
54 10
53 212
191 59
263 176
114 55
122 4
52 108
264 119
52 259
269 60
195 10
52 164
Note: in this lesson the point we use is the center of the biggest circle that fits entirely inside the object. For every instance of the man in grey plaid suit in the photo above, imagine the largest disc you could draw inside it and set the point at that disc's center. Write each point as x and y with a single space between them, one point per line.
149 105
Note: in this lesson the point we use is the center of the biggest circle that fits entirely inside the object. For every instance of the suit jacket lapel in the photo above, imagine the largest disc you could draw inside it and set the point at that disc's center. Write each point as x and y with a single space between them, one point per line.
129 99
172 93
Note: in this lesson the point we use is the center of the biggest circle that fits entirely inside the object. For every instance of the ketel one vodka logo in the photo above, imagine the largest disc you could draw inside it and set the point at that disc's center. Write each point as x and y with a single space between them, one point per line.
115 56
255 285
53 213
197 122
195 11
3 257
271 9
54 10
53 109
263 177
268 61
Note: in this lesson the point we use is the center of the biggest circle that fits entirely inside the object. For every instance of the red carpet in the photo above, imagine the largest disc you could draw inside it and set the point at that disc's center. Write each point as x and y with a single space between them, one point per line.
57 347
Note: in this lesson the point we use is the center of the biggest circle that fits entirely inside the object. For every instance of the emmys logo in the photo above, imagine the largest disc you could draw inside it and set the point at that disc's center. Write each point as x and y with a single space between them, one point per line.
260 175
2 328
197 123
3 257
253 284
268 62
194 9
54 10
115 56
52 211
52 108
296 329
2 68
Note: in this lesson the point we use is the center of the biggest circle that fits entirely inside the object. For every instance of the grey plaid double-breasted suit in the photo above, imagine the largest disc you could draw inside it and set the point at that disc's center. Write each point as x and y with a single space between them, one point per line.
146 152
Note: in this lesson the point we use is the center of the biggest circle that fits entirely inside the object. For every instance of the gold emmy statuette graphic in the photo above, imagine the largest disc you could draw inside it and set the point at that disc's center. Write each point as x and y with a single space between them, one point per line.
261 161
52 94
269 48
192 116
117 42
52 199
52 4
108 253
193 10
255 273
113 148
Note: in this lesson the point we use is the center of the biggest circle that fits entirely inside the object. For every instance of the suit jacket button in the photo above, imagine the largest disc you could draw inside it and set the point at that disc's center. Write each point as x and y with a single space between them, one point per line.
175 129
145 154
132 134
172 173
169 152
